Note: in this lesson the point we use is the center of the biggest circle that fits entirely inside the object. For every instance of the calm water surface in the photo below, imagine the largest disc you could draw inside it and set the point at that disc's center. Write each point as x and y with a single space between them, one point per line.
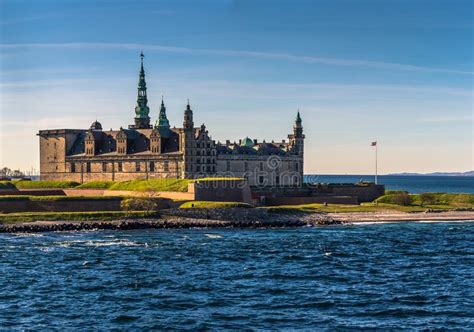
414 183
411 275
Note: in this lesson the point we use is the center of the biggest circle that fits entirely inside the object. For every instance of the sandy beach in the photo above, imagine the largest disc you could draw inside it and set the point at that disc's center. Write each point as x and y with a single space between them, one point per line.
391 216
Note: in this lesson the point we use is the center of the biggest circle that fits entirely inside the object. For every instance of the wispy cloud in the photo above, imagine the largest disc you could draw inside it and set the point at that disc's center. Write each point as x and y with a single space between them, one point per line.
239 53
448 119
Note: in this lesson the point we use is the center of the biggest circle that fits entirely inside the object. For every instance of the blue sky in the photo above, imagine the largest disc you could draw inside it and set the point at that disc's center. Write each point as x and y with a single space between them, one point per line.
400 72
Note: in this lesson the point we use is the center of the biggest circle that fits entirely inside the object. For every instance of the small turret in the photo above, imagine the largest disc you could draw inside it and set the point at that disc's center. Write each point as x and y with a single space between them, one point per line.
188 118
162 123
298 128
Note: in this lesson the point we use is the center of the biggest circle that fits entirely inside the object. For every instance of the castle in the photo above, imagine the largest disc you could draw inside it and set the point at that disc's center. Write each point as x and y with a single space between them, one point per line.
146 151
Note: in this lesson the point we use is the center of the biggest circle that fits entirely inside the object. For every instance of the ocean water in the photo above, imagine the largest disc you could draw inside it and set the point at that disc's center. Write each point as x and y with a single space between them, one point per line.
414 184
385 276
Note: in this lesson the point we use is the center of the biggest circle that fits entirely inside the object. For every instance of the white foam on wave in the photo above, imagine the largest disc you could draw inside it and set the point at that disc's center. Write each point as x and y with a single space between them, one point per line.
101 243
214 236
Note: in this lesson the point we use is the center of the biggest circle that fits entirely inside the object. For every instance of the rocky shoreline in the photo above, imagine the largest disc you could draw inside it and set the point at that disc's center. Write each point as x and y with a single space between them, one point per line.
179 219
232 218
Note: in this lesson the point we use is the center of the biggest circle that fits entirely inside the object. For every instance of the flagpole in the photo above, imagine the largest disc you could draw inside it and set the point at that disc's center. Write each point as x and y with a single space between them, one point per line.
376 147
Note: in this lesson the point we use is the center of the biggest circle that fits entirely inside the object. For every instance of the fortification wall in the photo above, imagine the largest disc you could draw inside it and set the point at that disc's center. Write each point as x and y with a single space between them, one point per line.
10 206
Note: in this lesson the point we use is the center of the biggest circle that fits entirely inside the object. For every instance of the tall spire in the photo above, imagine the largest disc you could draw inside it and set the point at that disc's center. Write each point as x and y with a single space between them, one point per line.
142 111
163 124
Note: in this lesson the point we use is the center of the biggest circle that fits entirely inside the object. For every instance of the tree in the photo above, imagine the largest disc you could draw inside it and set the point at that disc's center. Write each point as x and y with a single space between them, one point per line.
402 199
5 171
427 198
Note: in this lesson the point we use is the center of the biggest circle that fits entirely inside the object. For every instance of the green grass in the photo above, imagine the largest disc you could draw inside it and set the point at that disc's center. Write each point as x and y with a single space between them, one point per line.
96 185
390 202
56 198
7 185
217 179
22 184
341 208
180 185
213 205
430 199
72 216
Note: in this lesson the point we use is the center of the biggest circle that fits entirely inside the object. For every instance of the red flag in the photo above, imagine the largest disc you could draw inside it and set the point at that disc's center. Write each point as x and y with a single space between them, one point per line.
373 144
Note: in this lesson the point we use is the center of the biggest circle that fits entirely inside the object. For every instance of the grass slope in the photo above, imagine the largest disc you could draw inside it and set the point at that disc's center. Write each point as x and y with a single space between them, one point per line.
56 198
72 216
22 184
213 205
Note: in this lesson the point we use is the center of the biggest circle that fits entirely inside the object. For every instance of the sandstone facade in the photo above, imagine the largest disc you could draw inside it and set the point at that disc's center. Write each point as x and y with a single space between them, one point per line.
146 151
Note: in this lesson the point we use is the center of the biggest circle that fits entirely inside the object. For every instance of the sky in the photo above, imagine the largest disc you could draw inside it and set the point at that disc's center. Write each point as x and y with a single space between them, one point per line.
399 72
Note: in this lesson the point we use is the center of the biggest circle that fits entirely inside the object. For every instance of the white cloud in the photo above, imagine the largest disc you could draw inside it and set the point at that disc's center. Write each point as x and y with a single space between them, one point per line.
239 53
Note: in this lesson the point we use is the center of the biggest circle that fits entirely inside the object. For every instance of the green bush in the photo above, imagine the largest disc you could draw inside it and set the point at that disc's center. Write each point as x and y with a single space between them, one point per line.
7 185
213 205
96 185
427 199
147 204
26 184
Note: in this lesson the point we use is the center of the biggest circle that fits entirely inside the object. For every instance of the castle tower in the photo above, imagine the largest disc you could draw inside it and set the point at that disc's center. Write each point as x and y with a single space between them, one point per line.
142 111
297 149
298 135
188 143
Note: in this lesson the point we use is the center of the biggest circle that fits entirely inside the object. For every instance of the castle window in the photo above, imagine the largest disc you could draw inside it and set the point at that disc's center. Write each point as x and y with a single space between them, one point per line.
137 166
203 168
152 166
119 165
209 169
198 153
104 167
208 145
198 160
277 179
261 166
260 180
166 166
73 168
228 166
88 167
208 160
297 166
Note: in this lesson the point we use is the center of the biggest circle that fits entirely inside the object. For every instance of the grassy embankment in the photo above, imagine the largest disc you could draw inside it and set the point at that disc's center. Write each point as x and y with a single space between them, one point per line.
73 216
393 201
56 198
180 185
213 205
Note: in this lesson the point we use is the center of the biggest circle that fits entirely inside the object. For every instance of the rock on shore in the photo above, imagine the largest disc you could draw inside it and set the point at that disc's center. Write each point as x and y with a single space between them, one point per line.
182 218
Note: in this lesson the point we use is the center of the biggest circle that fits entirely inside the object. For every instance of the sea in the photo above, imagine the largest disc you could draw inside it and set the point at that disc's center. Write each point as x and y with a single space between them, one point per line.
385 276
412 183
393 276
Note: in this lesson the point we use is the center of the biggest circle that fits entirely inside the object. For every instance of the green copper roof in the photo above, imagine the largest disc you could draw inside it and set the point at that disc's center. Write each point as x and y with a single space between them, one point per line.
162 123
298 117
247 142
142 110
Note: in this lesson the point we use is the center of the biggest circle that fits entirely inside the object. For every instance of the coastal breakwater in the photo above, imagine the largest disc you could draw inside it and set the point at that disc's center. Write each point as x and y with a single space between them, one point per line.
182 218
